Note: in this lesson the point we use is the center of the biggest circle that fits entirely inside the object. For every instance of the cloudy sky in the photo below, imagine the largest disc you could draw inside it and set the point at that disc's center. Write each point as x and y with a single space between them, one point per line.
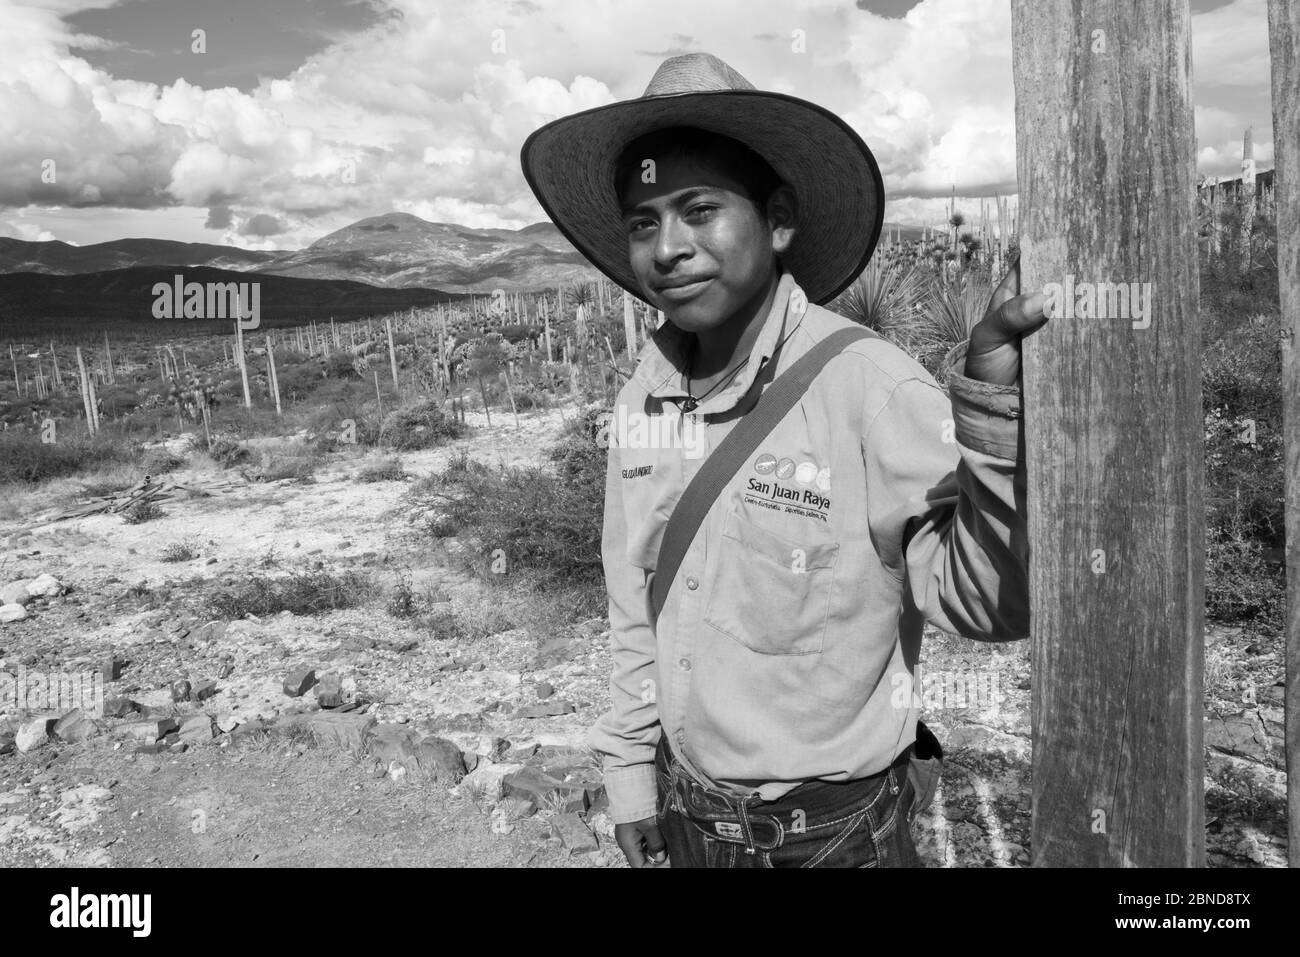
300 116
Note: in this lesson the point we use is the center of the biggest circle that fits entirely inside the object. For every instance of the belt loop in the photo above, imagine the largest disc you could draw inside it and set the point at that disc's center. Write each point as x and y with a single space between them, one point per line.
745 827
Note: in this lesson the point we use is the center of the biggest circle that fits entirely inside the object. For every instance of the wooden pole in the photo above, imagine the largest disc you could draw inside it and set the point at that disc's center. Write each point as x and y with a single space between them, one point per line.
511 393
58 376
243 365
1113 433
629 325
17 383
1284 48
108 356
275 380
83 381
392 352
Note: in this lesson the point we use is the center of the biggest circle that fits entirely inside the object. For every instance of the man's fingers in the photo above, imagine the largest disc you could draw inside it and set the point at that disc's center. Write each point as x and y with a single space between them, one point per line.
1008 288
655 845
629 841
1022 314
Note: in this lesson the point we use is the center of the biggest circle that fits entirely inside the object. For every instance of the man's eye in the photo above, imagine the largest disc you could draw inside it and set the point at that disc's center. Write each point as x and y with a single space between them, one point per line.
639 225
702 211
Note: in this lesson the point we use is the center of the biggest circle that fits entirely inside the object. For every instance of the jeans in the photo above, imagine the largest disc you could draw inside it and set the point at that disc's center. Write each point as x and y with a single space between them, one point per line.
860 823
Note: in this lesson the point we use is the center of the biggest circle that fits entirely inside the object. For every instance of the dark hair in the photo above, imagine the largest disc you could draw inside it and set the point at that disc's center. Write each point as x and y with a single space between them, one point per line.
734 158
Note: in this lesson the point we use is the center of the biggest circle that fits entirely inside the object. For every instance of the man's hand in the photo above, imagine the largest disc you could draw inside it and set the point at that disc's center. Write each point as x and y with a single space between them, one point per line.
641 843
993 355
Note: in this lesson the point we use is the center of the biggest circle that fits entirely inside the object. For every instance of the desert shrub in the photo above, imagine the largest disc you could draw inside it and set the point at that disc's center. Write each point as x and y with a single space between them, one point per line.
228 453
302 592
295 461
419 426
25 458
140 512
545 520
341 365
179 552
158 461
385 470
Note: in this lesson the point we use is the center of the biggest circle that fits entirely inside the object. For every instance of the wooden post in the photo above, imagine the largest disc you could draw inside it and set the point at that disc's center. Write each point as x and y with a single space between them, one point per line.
629 325
239 357
108 357
17 383
392 352
274 379
511 393
1113 432
379 398
83 381
58 376
1284 48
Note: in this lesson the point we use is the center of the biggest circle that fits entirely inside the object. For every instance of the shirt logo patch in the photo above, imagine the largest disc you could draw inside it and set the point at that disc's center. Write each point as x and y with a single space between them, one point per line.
637 472
728 829
797 487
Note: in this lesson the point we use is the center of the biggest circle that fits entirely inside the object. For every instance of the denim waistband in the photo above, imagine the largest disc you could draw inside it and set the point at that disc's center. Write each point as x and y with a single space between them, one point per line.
758 823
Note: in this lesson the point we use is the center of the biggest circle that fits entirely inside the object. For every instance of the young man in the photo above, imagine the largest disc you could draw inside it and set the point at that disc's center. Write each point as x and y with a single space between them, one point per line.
757 721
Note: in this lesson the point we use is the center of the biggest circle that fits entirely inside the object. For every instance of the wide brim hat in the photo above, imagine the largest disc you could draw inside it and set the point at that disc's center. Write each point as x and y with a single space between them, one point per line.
570 165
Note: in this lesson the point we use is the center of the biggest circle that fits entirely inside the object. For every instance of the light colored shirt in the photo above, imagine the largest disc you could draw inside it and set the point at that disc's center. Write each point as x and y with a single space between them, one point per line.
876 504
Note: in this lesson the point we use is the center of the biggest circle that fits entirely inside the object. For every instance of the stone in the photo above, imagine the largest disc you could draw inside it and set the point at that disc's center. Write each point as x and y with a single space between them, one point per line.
181 690
1241 733
74 727
297 683
542 789
441 760
574 833
33 733
12 612
329 691
15 593
148 730
546 709
119 707
111 668
390 743
544 690
44 586
203 690
196 728
347 731
489 778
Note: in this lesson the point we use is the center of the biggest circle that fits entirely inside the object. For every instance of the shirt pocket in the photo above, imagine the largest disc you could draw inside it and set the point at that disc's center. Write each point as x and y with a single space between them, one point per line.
769 592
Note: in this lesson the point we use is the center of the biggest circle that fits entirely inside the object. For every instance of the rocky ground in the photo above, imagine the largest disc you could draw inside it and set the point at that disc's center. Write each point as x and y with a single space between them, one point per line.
357 737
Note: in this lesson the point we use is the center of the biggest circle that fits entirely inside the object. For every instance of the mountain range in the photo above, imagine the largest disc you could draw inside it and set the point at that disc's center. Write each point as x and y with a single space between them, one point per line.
395 251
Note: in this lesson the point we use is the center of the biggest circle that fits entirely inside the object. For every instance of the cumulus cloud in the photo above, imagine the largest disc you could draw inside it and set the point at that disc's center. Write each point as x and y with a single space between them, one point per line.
425 111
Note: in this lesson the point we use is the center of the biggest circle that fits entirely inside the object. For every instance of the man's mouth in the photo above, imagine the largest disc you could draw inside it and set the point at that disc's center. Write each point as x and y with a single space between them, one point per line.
683 288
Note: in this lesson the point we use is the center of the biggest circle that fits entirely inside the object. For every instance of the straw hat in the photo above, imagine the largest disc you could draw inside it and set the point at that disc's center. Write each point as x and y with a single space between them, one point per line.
570 166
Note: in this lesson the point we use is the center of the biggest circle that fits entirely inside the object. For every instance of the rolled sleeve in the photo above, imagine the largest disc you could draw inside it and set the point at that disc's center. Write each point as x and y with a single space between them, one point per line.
633 792
986 417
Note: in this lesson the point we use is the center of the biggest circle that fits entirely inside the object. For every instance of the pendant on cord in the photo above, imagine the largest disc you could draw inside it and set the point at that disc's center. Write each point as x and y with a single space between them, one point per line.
691 404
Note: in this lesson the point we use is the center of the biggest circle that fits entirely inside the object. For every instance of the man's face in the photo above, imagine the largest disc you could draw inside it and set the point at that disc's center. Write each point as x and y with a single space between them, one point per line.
699 247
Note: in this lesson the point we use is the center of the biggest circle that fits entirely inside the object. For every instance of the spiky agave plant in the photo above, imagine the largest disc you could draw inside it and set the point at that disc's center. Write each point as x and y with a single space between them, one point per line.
885 298
955 304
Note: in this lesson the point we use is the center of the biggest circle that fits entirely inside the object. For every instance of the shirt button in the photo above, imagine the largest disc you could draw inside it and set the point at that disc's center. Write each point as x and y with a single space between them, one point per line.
692 583
684 664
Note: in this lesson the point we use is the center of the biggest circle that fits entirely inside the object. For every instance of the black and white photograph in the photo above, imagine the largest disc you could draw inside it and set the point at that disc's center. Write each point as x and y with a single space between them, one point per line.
650 434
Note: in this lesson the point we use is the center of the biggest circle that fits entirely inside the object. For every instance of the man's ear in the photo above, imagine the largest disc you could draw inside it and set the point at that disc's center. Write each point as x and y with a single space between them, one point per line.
782 215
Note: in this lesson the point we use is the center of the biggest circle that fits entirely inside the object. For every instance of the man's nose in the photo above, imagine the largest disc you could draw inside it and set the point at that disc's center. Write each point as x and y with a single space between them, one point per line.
674 242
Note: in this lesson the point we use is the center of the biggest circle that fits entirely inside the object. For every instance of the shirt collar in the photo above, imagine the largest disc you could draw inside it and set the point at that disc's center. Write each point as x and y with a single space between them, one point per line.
663 362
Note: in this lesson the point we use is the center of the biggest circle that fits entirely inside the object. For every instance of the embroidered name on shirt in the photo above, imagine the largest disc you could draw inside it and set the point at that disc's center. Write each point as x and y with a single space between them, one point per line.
637 472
